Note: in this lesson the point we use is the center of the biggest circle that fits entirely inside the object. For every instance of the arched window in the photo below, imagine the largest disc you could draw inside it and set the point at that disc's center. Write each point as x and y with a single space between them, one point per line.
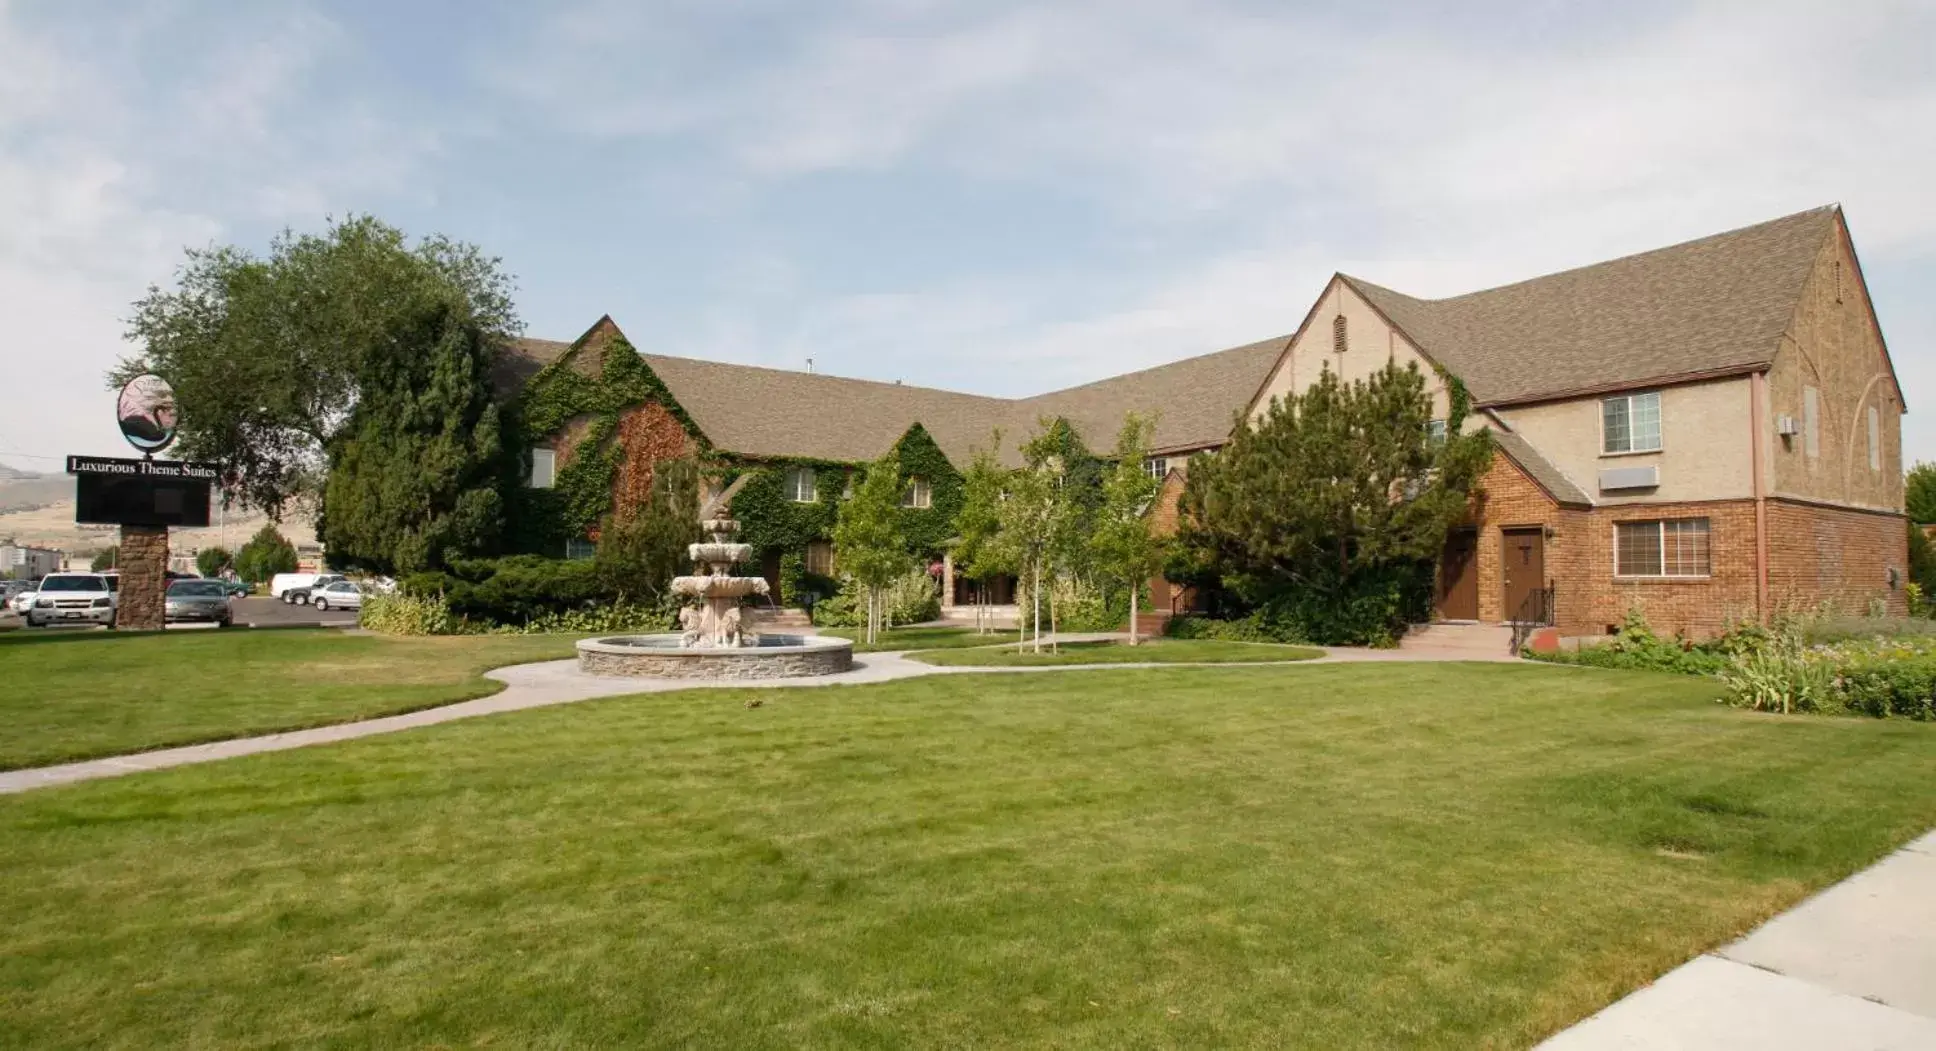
1338 338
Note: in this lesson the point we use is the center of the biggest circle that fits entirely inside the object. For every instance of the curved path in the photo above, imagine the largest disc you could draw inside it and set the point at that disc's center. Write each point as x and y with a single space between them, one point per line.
535 686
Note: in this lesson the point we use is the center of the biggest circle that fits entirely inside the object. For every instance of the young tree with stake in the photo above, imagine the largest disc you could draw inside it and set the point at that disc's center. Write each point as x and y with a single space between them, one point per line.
1123 543
868 535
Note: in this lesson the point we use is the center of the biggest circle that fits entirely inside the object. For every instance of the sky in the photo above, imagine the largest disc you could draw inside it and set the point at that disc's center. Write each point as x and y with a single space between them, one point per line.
988 196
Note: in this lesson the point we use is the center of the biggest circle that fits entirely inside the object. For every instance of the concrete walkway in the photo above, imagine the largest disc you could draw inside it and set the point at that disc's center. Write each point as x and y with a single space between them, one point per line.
1853 967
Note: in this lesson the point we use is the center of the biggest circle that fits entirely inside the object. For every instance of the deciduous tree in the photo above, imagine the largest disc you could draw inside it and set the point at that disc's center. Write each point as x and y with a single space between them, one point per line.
867 536
1125 547
267 553
211 561
270 356
1919 493
978 553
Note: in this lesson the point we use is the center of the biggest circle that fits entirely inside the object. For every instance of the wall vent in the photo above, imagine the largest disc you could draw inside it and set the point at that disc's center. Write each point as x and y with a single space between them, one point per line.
1629 478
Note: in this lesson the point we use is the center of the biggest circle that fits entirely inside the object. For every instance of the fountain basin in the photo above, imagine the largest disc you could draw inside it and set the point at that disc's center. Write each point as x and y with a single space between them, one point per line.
723 553
662 657
718 587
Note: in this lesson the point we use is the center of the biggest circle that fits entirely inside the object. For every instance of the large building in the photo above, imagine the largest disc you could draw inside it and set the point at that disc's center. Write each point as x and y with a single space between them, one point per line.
1708 432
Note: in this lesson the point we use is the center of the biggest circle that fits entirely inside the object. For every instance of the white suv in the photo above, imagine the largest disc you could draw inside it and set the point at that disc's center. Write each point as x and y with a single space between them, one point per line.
72 598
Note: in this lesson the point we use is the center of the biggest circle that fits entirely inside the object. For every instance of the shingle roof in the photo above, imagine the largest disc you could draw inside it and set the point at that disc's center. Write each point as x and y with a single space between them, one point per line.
761 412
1709 306
1540 469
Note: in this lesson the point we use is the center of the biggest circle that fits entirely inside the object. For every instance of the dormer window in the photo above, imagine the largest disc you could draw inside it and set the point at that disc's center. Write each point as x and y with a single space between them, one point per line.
1339 338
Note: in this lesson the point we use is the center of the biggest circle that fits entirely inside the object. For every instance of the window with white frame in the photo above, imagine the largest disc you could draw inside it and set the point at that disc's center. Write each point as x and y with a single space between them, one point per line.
1630 423
917 493
577 547
847 484
1875 439
544 469
1673 547
1435 431
799 485
1158 467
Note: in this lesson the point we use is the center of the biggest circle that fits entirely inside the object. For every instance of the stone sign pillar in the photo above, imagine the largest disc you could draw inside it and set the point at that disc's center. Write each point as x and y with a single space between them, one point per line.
144 578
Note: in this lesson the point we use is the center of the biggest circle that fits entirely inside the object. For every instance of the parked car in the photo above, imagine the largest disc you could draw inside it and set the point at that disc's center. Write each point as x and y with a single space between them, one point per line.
9 590
72 598
300 596
237 588
24 600
197 601
283 582
340 594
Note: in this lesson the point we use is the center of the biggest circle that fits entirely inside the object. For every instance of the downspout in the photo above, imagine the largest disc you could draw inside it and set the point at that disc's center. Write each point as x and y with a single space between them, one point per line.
1758 421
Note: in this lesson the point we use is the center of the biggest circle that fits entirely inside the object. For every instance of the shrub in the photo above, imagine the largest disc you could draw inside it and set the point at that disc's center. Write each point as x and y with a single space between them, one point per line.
407 614
1081 606
1782 674
1253 628
624 615
910 598
521 588
1898 687
1636 647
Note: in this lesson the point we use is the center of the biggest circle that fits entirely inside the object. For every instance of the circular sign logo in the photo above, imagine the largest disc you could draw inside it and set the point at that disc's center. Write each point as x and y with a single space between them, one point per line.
146 413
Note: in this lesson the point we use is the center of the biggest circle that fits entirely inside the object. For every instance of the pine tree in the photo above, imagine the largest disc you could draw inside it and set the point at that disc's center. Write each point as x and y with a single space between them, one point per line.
1331 510
413 482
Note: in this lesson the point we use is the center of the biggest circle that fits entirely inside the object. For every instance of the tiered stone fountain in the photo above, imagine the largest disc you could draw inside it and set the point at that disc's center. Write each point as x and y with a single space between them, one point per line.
712 642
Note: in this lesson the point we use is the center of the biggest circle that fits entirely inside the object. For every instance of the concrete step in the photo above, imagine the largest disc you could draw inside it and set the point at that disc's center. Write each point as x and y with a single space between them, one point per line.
1001 616
1471 638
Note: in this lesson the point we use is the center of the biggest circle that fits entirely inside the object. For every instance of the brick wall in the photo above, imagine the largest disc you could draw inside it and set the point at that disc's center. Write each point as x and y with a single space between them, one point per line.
1695 606
1507 498
1836 557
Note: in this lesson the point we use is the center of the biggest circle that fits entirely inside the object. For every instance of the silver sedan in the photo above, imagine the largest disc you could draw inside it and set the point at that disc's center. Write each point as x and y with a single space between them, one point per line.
203 601
343 594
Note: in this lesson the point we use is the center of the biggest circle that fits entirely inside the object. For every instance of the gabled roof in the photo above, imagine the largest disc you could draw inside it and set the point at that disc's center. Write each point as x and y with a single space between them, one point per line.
1540 469
765 412
1710 307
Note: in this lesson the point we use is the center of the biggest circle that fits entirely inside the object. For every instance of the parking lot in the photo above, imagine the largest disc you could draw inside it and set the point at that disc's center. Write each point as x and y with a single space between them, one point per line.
252 612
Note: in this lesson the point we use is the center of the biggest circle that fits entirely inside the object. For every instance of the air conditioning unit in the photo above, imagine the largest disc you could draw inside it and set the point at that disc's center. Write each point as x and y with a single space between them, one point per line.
1787 426
1629 478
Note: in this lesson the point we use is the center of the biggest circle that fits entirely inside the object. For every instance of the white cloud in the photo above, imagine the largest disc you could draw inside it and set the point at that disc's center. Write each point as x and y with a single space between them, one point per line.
107 172
1436 158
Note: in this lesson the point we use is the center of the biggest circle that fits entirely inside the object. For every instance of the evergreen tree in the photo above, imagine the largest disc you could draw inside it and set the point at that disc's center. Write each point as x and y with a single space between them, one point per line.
868 538
211 561
267 553
1331 510
414 477
1124 545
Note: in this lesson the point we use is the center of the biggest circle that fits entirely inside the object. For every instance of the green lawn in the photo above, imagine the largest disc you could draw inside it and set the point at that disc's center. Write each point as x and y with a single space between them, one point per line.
101 693
1327 856
1151 651
919 638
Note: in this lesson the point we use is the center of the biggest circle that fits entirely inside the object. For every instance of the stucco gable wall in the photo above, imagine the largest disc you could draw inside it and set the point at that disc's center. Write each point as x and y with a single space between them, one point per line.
1370 343
1833 345
1706 443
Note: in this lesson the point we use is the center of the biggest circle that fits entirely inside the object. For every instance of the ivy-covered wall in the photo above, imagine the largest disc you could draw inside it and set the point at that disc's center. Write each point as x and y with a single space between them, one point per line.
770 520
611 419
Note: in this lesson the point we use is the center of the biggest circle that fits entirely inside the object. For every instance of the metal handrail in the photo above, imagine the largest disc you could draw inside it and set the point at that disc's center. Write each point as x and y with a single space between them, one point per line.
1535 611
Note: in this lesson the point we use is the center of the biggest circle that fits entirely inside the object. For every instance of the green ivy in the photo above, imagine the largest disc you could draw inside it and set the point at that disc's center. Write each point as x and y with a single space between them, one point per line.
581 494
771 521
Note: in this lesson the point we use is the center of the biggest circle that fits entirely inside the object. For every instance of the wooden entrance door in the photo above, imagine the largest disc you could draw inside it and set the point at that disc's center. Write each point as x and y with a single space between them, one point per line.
1522 563
1458 591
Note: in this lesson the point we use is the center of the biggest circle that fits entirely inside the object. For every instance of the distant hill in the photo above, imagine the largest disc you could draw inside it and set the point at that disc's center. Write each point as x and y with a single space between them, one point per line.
26 490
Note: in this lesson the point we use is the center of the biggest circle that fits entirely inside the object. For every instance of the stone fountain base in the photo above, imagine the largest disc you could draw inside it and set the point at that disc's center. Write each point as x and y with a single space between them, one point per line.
661 657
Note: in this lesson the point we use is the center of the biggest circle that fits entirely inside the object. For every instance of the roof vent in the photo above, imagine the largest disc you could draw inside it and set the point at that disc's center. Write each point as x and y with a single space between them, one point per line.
1338 338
